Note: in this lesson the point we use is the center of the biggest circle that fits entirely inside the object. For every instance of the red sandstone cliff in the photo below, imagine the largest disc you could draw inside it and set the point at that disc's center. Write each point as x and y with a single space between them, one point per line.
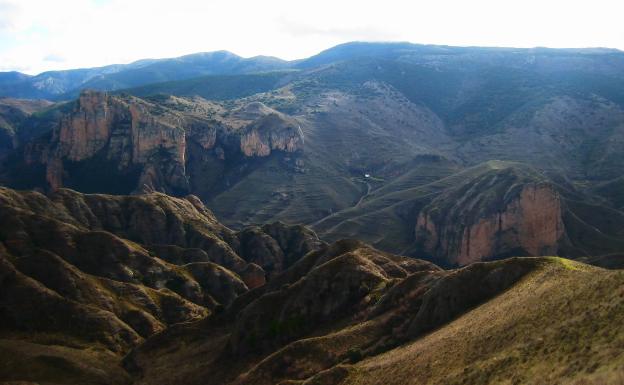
530 224
270 132
133 132
127 131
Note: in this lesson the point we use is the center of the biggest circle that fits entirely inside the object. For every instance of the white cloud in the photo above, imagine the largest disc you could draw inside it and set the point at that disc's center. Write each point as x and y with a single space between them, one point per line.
99 32
7 16
54 58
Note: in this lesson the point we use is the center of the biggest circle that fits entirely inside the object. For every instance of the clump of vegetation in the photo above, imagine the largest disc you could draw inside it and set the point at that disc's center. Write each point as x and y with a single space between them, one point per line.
355 355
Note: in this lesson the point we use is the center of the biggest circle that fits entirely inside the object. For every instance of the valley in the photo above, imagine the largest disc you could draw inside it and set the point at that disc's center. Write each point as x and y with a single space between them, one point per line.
376 213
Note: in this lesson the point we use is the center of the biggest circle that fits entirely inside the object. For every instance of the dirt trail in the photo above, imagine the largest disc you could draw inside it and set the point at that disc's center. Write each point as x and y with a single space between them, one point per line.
368 191
356 205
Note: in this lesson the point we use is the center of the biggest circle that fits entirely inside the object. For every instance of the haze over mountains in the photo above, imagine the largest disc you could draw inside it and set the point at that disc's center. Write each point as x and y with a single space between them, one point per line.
68 83
216 219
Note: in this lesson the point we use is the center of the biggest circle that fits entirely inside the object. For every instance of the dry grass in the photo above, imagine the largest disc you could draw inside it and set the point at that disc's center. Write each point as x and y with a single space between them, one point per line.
561 324
23 362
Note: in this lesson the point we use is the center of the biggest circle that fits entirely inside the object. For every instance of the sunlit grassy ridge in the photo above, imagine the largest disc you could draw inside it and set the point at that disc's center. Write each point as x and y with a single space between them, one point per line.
560 324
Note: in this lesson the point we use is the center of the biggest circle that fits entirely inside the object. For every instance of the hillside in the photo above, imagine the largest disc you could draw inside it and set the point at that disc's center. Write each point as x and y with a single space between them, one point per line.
525 320
294 193
15 119
86 278
555 326
215 87
152 289
495 209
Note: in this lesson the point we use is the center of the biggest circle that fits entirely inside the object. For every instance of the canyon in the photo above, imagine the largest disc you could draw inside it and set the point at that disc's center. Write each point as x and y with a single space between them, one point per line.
376 213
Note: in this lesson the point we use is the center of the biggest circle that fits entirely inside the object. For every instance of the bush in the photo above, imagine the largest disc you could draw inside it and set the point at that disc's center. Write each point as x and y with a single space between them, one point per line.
355 355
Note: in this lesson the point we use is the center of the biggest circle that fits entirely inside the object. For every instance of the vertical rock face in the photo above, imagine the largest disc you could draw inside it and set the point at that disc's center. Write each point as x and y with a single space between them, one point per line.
150 133
271 132
253 145
87 130
126 131
207 138
143 145
542 226
54 173
529 224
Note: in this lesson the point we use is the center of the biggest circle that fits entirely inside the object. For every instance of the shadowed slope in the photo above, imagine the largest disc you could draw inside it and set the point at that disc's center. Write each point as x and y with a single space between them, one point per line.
86 278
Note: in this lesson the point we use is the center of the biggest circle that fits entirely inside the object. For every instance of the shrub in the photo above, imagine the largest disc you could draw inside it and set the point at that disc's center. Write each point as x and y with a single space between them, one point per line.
354 355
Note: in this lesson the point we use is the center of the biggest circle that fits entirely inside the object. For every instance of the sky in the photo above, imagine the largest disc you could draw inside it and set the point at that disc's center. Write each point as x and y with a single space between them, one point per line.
39 35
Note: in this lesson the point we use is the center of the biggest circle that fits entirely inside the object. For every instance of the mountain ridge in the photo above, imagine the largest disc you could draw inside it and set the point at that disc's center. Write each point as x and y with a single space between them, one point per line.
64 84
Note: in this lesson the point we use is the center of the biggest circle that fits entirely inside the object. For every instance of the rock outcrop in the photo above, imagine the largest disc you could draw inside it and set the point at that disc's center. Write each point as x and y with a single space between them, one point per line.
122 144
273 131
325 286
88 128
126 131
275 247
507 219
131 130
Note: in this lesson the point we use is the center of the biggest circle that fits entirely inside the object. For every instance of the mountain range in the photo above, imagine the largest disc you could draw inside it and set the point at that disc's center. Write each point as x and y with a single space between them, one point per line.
68 83
376 213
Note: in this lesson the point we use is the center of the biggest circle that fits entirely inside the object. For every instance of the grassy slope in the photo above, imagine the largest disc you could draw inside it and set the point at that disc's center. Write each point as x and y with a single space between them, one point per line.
386 218
56 364
561 324
270 192
613 190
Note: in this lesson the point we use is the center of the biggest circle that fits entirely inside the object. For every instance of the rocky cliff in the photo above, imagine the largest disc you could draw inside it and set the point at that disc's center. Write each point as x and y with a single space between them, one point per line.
126 131
510 218
144 145
269 133
88 128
